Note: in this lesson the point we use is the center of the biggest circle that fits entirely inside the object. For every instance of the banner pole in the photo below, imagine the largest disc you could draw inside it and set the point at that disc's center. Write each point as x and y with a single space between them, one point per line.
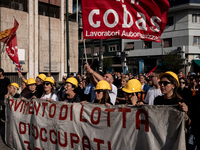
85 51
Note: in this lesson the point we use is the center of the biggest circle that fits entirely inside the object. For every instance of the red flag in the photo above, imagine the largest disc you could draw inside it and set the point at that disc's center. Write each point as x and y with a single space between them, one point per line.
7 34
127 19
12 50
10 38
151 72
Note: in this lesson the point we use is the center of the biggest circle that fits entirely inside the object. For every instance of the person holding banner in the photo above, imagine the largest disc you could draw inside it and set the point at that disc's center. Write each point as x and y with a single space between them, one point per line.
49 93
12 90
101 93
70 96
131 92
31 83
169 84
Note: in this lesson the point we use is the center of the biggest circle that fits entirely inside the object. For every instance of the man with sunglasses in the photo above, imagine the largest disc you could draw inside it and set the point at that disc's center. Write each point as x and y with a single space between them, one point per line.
108 77
184 92
154 91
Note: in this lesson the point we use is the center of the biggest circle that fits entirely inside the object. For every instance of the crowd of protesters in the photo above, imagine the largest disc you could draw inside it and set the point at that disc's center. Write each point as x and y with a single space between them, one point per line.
159 88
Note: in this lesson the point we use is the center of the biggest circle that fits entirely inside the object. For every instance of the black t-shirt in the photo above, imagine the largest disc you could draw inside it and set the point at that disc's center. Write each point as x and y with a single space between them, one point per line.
4 87
75 99
160 100
195 114
186 94
30 94
16 95
120 94
40 90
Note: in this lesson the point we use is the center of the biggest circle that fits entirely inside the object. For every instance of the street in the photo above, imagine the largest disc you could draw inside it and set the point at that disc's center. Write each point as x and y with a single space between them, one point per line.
3 146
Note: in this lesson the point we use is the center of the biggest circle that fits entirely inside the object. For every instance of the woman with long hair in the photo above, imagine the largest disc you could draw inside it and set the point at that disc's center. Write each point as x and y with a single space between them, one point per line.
101 93
49 93
169 84
12 90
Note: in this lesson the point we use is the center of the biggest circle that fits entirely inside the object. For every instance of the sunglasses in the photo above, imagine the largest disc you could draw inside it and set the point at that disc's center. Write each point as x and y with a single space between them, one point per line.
165 83
98 91
182 82
46 83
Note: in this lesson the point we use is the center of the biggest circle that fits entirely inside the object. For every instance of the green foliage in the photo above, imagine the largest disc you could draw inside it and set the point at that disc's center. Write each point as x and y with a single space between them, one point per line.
107 62
171 62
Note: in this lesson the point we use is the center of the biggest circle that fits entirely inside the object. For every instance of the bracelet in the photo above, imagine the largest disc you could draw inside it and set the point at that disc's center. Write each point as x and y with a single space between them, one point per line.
187 118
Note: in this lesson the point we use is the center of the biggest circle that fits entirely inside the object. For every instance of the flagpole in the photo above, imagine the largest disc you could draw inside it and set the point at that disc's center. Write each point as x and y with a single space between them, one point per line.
2 49
67 38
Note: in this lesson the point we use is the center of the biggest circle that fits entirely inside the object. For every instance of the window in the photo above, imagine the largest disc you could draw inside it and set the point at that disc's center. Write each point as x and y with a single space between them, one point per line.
195 18
170 21
14 4
167 42
197 40
147 45
130 46
48 10
114 48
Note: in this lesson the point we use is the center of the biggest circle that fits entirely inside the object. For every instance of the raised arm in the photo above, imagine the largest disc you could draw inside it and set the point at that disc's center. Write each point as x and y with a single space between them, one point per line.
21 76
94 75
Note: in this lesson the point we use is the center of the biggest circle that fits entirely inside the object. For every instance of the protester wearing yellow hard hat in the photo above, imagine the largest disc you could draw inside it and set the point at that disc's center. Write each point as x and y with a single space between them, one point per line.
73 81
131 89
168 85
12 90
49 93
31 84
39 80
101 93
70 84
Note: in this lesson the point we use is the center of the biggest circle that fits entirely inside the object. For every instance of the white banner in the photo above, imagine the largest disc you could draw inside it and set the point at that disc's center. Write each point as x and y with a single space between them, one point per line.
40 125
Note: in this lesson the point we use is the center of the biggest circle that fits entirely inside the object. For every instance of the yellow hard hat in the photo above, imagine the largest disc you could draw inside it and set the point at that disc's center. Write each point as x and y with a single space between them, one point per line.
49 79
170 73
31 81
72 80
14 84
102 85
42 76
132 86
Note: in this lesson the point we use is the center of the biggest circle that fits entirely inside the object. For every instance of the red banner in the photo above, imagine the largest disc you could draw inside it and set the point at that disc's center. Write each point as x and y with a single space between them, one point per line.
127 19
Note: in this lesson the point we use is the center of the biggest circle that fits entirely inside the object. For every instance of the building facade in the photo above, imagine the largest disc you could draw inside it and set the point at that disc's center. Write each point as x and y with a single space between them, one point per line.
41 37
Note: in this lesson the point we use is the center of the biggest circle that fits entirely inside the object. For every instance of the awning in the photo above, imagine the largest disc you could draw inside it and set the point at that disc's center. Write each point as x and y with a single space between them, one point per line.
197 62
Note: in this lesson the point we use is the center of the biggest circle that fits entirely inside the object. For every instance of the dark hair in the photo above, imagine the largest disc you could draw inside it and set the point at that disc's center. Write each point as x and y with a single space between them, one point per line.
52 90
1 70
105 98
73 86
175 83
181 79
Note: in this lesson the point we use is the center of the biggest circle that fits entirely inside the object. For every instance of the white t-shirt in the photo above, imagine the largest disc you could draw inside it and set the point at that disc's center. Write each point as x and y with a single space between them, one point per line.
113 94
152 94
54 96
